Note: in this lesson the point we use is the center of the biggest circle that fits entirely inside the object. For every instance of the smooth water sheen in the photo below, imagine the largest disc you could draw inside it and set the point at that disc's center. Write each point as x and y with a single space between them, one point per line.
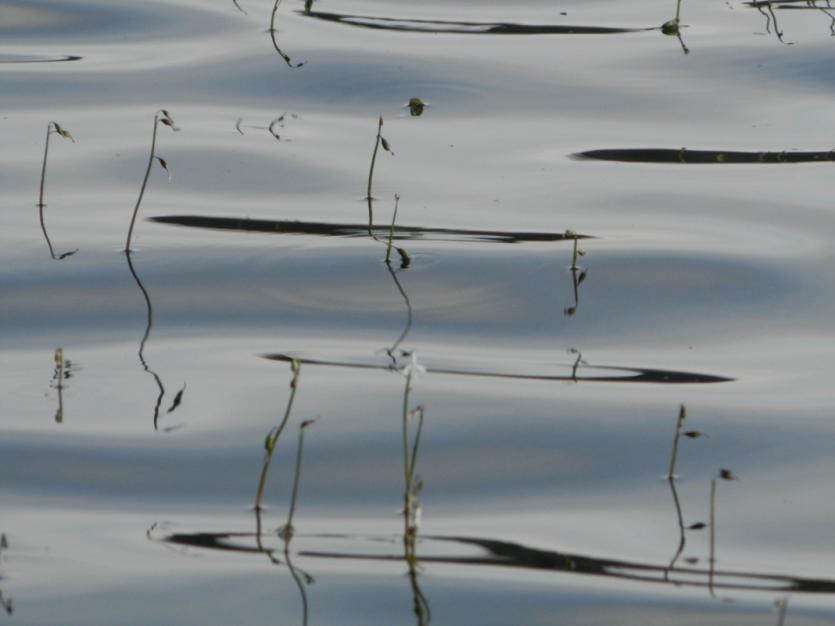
693 166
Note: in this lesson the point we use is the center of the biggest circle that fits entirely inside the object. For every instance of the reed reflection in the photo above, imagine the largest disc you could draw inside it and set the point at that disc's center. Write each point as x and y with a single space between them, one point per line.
64 370
149 317
272 30
671 480
412 428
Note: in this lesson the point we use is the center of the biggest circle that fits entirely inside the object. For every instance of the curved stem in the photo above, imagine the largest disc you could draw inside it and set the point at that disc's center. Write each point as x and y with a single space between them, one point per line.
371 175
144 183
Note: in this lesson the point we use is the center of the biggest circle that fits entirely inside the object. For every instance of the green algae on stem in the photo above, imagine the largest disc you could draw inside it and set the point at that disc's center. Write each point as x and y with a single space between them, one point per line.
161 116
275 433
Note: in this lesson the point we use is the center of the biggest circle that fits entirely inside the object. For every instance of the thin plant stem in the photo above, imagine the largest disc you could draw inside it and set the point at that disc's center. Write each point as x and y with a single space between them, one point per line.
391 230
574 255
712 560
43 170
678 11
297 475
409 314
275 433
371 175
682 414
59 371
144 183
51 127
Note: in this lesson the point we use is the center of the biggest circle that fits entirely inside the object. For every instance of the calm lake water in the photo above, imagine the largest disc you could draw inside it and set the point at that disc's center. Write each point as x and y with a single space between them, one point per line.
546 473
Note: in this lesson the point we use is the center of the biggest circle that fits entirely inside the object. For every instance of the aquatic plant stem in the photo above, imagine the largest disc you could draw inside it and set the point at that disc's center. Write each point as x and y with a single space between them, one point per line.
272 437
43 171
371 176
712 559
682 414
391 230
144 183
288 527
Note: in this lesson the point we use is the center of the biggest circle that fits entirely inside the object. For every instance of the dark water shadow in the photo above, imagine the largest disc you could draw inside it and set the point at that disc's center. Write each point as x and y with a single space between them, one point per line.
325 229
623 375
498 553
466 28
149 313
683 155
37 58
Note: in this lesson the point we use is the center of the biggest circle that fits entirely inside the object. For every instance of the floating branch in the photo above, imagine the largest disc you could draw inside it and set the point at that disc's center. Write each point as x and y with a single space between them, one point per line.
466 28
161 116
325 229
624 374
52 127
506 554
683 155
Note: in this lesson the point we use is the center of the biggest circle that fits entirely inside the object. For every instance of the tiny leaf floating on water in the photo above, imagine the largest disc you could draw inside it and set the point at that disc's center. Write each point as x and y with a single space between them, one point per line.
177 399
386 145
581 278
697 526
164 165
693 434
63 132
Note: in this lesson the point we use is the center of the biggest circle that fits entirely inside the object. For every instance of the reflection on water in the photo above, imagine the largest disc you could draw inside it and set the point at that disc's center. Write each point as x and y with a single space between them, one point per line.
149 317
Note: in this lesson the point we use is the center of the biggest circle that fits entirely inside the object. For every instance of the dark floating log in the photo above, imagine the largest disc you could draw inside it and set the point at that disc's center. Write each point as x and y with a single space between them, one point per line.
683 155
584 373
499 553
466 28
291 227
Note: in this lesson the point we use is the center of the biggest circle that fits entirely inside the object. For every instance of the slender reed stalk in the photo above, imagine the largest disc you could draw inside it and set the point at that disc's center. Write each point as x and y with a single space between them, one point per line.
161 116
59 377
275 433
378 141
391 230
286 531
51 127
712 558
682 415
